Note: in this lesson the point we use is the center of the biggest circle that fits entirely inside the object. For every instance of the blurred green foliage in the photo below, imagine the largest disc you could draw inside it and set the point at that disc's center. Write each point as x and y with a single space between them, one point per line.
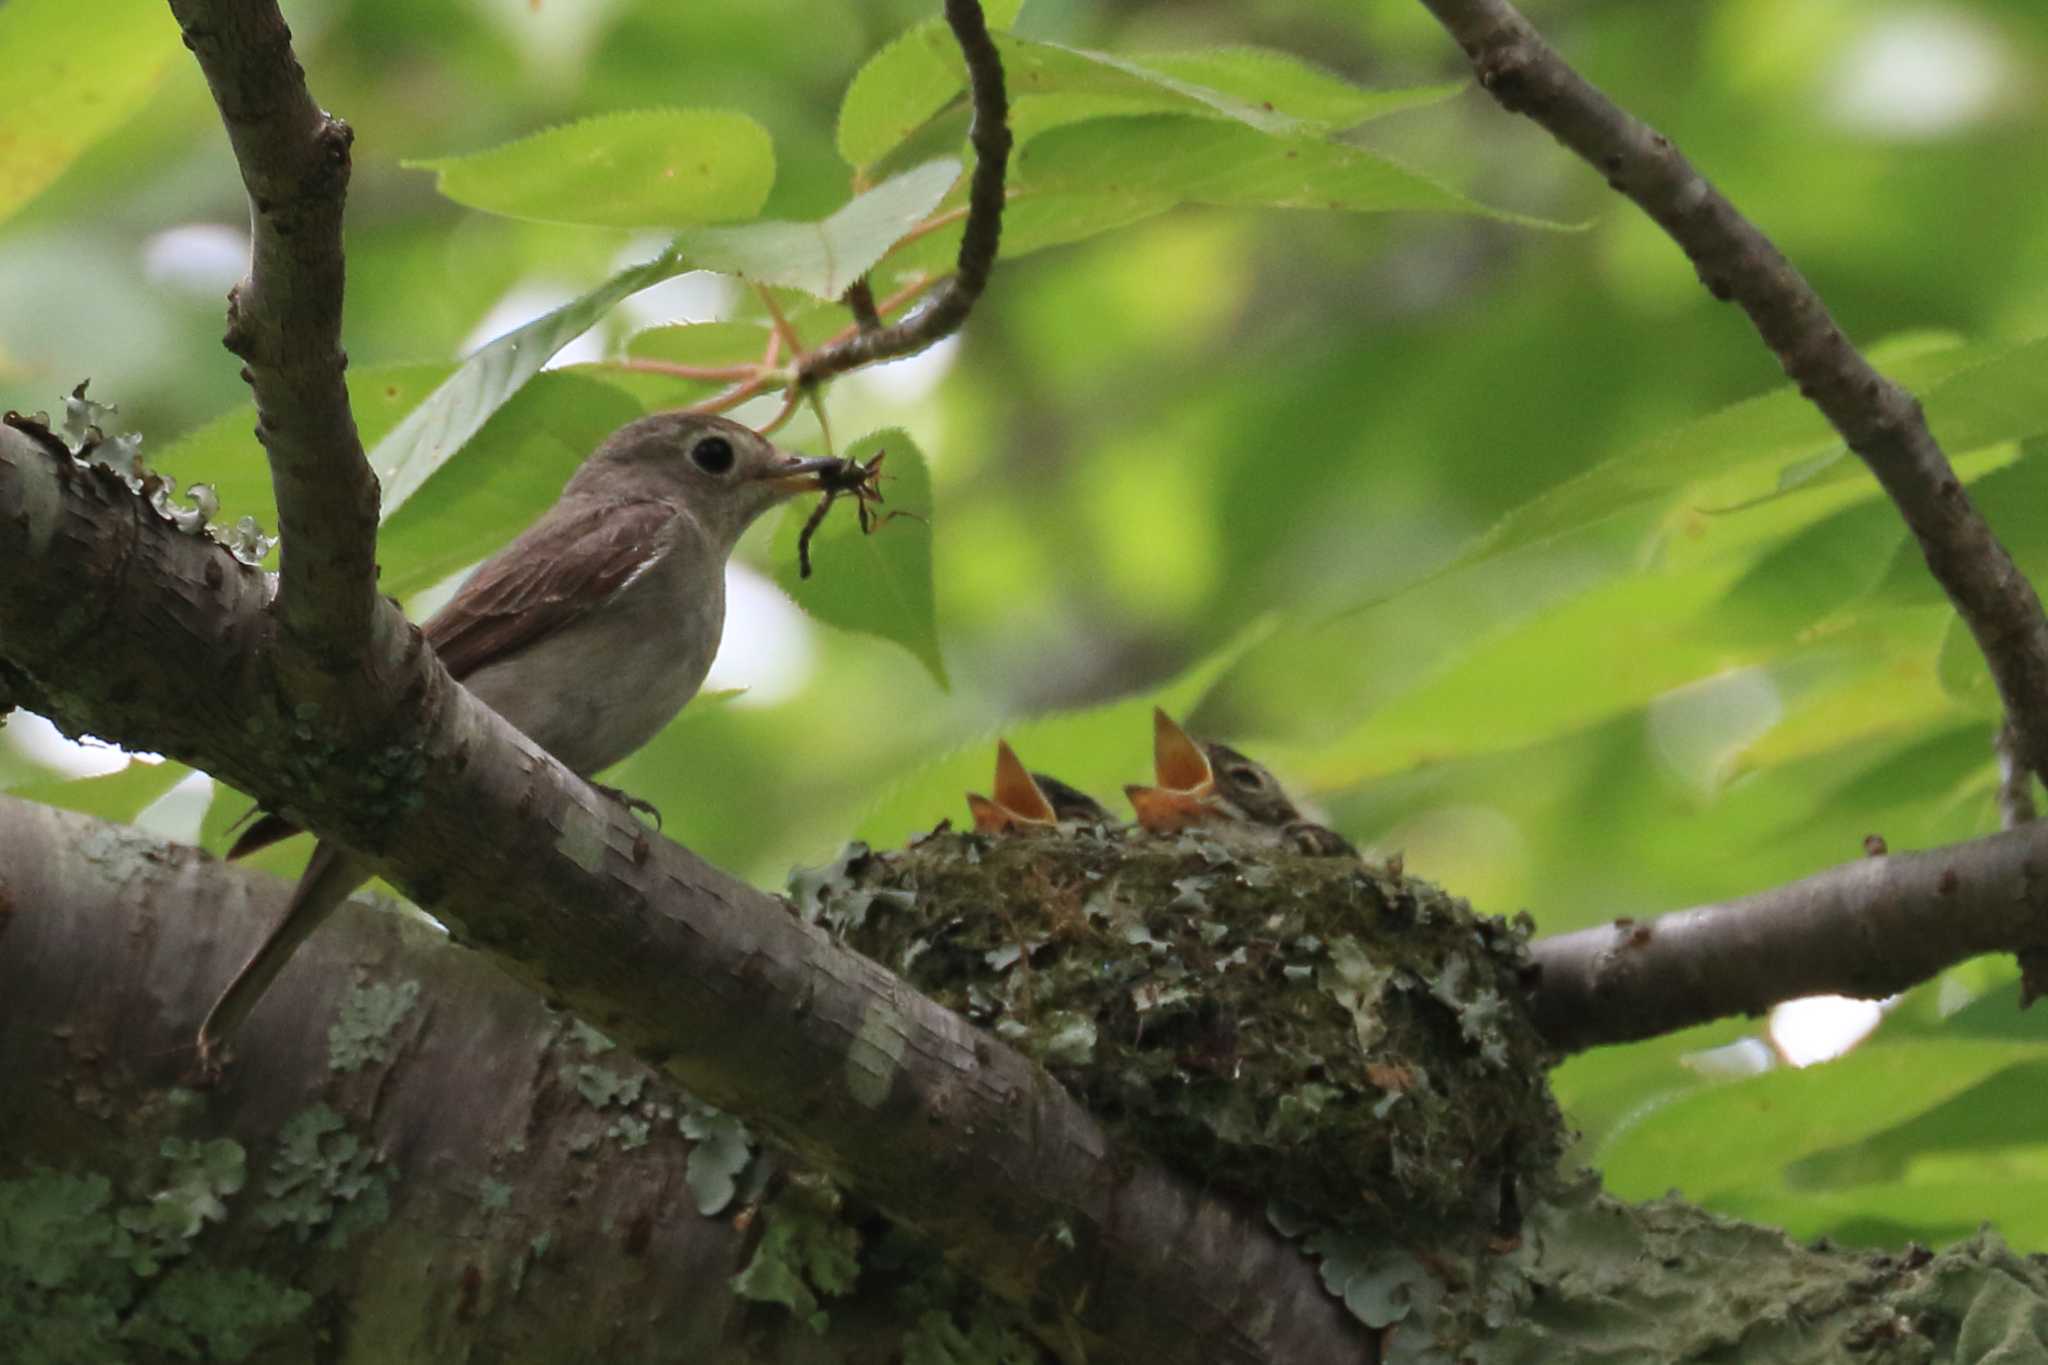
1506 546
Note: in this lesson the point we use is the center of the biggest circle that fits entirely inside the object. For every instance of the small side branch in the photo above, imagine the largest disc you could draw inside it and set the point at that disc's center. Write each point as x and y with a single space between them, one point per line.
1881 421
990 137
284 318
1868 929
860 301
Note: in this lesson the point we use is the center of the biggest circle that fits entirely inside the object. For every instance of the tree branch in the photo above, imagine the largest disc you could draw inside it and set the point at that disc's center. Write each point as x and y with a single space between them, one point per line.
520 1169
284 319
512 1146
990 137
159 641
1881 421
1869 929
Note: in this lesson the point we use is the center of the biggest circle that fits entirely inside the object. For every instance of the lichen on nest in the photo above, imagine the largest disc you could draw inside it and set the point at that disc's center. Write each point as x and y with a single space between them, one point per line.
1316 1033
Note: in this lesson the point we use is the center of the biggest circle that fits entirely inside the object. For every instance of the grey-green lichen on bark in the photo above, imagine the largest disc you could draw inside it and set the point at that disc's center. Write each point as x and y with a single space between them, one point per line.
324 1179
87 1275
370 1015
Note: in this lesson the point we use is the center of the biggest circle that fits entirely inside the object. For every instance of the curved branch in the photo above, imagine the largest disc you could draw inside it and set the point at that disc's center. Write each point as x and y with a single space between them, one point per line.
1870 928
979 240
1881 421
284 318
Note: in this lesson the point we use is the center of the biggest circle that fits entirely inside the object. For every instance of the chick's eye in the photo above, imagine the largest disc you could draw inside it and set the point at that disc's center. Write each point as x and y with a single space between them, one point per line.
713 455
1247 776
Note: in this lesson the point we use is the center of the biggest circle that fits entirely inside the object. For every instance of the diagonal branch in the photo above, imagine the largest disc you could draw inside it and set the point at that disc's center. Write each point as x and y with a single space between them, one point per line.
1881 421
1870 928
284 318
990 137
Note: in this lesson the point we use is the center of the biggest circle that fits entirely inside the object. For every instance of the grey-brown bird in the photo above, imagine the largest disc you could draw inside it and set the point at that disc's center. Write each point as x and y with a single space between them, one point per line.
1026 800
1197 782
589 632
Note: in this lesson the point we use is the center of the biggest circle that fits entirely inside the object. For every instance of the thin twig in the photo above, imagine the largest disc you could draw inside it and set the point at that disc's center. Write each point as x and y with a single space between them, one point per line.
860 301
990 137
1881 421
757 378
713 373
790 398
284 318
778 325
935 223
734 396
896 302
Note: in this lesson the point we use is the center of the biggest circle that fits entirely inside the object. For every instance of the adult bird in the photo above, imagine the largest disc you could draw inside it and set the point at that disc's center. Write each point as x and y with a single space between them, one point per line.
1202 782
589 632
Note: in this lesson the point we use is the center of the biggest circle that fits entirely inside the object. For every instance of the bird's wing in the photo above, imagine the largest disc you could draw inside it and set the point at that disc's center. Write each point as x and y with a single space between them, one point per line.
566 563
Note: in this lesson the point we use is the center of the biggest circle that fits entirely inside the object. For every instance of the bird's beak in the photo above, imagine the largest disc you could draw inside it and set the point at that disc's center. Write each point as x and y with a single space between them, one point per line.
1018 803
1184 781
1162 811
799 474
1178 763
1016 792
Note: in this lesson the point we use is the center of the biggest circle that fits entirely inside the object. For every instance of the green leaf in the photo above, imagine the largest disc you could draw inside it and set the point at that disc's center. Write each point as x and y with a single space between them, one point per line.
1778 443
649 168
67 88
432 433
920 74
1784 1115
701 343
880 583
510 472
1035 68
1289 85
897 91
118 796
1210 161
1034 222
823 258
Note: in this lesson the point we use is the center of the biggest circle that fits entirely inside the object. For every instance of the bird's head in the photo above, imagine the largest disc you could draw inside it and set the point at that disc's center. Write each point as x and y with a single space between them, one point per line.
1200 780
725 473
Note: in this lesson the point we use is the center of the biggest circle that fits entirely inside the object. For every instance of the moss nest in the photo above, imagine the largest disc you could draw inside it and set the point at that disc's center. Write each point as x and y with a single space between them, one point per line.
1338 1041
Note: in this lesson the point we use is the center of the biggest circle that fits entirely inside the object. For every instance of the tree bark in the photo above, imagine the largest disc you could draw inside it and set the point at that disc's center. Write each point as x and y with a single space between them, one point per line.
414 1160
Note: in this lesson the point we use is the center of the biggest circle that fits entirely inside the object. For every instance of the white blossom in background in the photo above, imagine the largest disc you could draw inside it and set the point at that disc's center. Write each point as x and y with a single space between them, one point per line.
521 304
204 260
42 743
1920 73
768 647
1821 1028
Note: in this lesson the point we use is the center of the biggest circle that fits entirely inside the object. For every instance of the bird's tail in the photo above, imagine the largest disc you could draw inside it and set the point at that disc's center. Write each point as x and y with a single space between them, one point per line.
326 883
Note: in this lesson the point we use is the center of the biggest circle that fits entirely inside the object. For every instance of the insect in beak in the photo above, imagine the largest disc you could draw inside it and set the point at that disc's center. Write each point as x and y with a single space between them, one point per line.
849 478
803 474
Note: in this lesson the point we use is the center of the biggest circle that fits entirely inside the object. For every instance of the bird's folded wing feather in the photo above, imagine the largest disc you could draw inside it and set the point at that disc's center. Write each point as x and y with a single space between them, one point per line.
562 567
565 564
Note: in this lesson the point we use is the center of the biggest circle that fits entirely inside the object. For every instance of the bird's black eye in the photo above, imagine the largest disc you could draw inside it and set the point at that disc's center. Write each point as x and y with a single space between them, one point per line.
713 455
1246 775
